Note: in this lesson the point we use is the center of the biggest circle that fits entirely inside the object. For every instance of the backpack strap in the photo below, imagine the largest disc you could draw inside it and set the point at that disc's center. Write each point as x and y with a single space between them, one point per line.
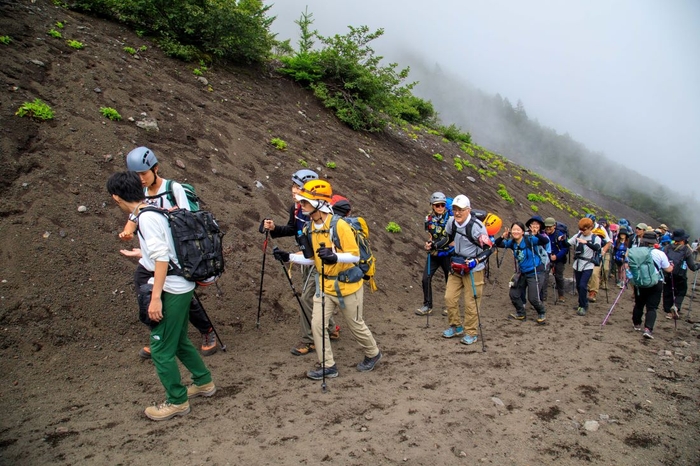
169 193
173 268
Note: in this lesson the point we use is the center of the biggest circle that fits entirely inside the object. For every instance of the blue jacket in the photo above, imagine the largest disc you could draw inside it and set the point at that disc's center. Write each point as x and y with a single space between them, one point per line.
525 252
559 245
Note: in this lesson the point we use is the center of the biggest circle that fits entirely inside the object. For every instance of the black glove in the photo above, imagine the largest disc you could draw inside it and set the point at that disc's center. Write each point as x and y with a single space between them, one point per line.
327 255
261 229
280 255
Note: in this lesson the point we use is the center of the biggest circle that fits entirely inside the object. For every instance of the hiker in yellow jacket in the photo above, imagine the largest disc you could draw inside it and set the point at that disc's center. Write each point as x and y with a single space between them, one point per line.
331 247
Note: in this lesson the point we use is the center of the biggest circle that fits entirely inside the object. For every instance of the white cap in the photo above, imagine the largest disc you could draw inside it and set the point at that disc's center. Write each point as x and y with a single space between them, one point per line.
323 206
461 201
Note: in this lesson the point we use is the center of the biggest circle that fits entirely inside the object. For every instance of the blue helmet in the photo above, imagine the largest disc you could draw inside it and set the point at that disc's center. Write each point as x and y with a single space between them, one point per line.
141 159
591 216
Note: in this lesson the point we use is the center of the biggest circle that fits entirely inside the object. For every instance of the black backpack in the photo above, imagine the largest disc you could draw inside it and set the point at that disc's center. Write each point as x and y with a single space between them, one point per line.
197 238
677 254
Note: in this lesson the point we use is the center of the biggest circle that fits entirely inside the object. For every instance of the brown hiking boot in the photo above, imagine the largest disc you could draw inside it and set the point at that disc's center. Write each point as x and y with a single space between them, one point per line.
303 348
166 410
334 334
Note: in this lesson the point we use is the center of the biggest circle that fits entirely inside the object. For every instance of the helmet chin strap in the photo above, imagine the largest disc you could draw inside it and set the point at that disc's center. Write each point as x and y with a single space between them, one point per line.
155 176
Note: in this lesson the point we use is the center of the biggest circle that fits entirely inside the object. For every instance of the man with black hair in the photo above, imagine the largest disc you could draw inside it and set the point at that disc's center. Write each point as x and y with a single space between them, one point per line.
560 249
164 194
169 303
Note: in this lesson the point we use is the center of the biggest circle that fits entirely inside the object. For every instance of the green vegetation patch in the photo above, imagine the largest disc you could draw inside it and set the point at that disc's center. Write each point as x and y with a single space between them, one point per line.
75 44
393 227
36 109
503 192
331 165
438 157
278 143
55 33
109 112
5 40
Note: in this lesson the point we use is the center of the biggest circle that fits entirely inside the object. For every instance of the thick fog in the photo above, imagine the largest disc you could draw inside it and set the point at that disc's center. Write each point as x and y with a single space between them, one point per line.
622 76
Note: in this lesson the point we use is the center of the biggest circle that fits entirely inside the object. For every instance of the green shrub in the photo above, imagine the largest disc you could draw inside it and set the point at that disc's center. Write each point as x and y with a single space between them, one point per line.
330 165
393 227
75 44
534 208
55 33
130 50
503 192
109 112
278 143
36 109
5 40
59 25
455 134
438 157
303 163
459 164
536 197
197 72
238 31
347 76
143 48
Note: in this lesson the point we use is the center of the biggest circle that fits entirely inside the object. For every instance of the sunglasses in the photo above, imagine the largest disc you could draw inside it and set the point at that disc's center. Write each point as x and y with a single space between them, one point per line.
438 205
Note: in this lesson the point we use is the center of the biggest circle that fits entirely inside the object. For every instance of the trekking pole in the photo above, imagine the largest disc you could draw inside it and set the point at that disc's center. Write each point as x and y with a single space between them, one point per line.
262 276
221 343
614 303
537 282
692 293
291 284
323 324
476 303
602 271
674 309
427 314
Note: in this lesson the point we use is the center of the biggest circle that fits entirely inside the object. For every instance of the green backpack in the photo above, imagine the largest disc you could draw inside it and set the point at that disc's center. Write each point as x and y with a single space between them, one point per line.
192 197
645 274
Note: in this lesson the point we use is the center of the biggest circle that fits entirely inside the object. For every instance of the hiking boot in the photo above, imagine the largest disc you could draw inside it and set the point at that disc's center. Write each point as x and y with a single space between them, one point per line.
469 339
317 374
145 352
444 312
208 389
209 343
647 334
453 332
166 410
561 300
424 311
669 315
541 319
517 316
334 334
303 348
581 311
368 364
592 296
637 328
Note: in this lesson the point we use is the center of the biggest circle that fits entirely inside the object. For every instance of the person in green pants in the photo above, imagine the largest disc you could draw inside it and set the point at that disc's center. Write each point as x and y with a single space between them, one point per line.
168 310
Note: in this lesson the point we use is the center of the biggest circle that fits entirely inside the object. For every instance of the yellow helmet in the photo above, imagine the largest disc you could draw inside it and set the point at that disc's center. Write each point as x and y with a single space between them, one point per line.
317 190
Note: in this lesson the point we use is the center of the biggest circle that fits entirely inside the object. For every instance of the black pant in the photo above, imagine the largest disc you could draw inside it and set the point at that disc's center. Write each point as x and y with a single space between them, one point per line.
649 297
558 270
533 283
198 317
432 264
676 287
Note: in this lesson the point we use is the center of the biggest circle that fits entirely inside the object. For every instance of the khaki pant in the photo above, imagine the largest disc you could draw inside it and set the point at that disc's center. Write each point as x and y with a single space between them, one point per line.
594 284
310 277
455 285
355 322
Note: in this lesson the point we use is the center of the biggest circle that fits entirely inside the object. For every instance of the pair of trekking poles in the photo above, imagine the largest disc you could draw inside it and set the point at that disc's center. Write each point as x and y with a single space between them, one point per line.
324 387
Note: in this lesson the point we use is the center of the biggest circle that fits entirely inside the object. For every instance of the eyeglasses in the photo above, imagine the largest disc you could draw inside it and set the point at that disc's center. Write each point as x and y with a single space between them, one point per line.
439 205
638 229
457 210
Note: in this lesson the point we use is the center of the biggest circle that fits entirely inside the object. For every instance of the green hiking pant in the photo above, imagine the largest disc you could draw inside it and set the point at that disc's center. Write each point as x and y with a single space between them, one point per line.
169 340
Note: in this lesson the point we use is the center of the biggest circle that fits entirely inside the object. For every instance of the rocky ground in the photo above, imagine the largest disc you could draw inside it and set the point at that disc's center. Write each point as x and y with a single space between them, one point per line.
570 392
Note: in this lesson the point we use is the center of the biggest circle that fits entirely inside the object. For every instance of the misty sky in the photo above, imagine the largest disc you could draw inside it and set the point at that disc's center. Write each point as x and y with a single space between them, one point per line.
620 76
